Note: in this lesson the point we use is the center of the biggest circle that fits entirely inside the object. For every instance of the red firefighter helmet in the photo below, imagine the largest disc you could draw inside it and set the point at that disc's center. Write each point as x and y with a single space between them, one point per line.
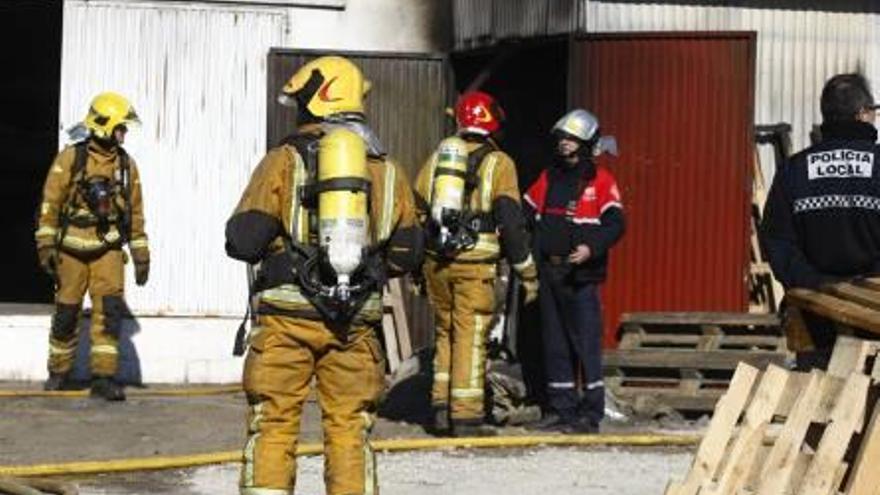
478 112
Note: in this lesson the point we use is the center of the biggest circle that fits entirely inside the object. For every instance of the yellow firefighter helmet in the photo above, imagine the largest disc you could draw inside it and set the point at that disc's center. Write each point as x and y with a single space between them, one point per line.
107 111
327 85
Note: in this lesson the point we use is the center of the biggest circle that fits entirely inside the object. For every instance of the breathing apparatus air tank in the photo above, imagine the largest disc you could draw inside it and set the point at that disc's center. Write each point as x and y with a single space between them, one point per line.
447 199
343 202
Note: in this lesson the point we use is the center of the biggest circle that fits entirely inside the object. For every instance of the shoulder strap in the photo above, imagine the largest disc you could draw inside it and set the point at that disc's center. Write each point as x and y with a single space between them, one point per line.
125 179
305 145
472 180
79 161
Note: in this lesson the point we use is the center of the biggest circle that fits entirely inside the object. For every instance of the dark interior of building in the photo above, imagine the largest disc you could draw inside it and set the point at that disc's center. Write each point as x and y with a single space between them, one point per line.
30 37
530 81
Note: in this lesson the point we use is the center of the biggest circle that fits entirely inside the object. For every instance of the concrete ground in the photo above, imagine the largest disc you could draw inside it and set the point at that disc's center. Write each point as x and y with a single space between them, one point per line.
50 430
560 471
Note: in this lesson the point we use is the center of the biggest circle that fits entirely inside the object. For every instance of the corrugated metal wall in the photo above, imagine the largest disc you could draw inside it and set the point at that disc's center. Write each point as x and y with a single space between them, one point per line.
797 49
197 76
406 108
681 108
481 22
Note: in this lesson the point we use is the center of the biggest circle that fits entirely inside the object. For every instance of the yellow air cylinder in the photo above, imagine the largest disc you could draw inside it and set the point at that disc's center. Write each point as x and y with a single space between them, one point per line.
449 178
343 216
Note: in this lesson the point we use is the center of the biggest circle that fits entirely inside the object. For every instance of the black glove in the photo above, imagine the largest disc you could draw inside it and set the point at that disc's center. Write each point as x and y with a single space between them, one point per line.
48 256
141 272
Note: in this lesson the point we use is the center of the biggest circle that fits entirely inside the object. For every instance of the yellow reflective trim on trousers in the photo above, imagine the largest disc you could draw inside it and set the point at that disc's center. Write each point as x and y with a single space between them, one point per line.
441 376
46 207
486 183
60 350
466 393
387 202
264 491
45 231
247 470
370 480
83 244
522 265
104 349
476 351
139 243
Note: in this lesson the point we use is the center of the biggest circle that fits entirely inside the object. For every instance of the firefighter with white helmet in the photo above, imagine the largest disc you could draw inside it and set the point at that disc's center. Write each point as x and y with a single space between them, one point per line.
92 206
578 216
328 218
468 199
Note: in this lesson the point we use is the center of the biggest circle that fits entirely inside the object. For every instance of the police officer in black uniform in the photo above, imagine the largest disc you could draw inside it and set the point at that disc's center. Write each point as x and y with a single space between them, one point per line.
822 217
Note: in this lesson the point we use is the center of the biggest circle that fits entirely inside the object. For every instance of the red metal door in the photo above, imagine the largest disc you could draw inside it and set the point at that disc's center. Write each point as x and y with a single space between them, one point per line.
681 107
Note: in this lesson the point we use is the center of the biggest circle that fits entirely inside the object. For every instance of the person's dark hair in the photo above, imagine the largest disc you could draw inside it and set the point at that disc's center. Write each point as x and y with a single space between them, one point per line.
844 96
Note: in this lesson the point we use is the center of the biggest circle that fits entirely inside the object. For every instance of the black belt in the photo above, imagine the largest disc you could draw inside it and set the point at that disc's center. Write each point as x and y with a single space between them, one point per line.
84 223
556 260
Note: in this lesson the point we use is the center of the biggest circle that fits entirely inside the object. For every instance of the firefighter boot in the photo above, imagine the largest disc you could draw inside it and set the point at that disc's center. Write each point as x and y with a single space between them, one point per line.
440 417
472 428
107 389
57 381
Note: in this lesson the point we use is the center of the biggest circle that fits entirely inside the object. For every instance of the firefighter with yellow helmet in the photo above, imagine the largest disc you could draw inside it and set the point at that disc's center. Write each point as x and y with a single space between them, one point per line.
91 207
328 218
469 202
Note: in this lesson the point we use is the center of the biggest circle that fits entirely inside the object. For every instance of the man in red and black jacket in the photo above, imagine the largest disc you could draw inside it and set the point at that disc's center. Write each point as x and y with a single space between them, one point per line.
578 217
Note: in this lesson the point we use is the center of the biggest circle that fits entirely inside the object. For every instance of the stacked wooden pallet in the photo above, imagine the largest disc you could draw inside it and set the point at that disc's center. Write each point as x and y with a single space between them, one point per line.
781 432
686 360
854 304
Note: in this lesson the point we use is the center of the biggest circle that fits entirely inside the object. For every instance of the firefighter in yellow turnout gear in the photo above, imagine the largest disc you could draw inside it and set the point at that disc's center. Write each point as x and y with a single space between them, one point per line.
468 199
328 218
92 206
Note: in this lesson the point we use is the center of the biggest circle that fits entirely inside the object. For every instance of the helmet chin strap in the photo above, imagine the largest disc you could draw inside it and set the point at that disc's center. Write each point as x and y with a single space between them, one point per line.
109 143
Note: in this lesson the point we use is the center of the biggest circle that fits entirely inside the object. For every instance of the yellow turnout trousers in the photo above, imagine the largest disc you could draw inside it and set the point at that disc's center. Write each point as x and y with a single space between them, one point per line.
103 277
285 355
463 295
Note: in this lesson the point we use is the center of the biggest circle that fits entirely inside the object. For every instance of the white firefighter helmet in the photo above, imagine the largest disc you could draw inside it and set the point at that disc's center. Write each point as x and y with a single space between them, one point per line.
578 123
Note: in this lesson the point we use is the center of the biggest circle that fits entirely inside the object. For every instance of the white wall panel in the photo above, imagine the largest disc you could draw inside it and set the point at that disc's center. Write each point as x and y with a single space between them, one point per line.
197 77
374 25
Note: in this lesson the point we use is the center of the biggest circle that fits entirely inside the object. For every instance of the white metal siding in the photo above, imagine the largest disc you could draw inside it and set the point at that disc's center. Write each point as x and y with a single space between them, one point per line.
197 77
797 50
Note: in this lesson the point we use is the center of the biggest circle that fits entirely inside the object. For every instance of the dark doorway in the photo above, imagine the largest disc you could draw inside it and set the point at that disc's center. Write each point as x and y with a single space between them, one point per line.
530 81
30 34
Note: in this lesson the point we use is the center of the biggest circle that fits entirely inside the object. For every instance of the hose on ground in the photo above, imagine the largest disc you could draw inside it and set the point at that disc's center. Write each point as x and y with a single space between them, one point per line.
391 445
36 486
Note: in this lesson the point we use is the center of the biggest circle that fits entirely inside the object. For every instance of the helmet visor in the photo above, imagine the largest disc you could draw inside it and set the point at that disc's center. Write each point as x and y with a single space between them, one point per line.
131 119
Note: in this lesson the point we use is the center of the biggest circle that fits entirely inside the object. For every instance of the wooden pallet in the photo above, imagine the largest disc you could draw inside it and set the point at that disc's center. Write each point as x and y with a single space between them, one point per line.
686 360
395 327
781 432
853 304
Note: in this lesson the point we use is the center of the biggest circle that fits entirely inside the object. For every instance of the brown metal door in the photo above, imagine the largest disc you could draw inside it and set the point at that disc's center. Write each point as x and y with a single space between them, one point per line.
406 107
681 107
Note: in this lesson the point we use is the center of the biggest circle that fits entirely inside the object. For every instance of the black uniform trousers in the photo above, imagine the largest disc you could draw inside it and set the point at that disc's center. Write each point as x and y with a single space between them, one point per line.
572 336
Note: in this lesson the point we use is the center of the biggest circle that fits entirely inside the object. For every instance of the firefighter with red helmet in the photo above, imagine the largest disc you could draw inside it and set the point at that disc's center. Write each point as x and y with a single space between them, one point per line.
468 199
